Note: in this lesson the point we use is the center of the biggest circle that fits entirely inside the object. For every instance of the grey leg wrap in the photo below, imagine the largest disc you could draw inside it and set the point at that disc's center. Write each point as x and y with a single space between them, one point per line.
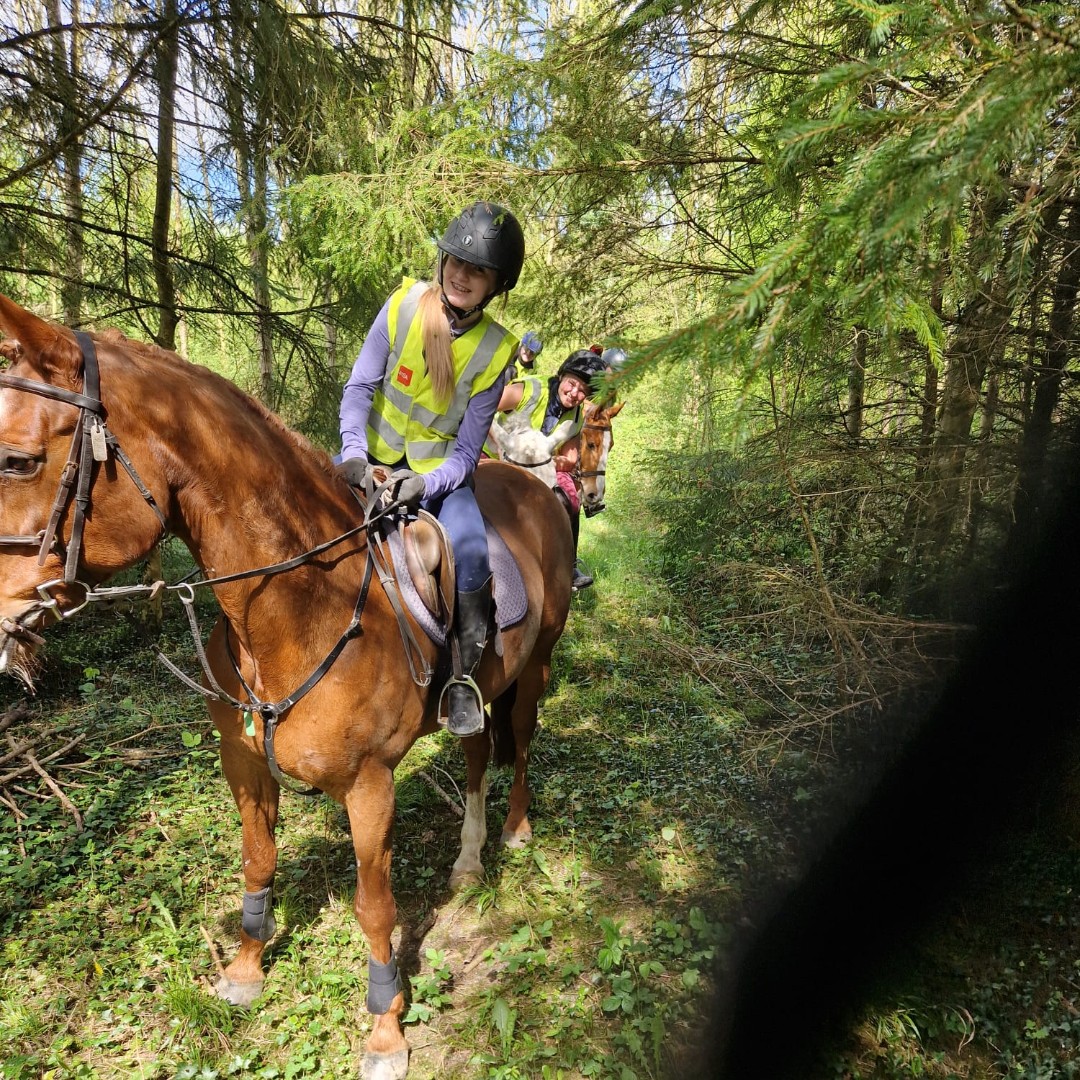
258 918
384 984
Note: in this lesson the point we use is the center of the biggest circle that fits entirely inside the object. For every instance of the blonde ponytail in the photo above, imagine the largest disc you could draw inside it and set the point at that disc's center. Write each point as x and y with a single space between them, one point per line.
435 335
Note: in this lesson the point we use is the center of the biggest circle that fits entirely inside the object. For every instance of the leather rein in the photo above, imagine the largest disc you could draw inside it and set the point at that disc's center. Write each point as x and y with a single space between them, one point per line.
92 442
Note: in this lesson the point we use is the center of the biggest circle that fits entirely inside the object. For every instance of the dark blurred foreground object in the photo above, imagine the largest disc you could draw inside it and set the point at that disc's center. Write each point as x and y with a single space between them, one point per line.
994 742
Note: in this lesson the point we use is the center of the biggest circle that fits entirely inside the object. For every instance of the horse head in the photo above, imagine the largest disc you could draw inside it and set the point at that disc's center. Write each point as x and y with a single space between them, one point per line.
596 441
519 443
53 448
107 444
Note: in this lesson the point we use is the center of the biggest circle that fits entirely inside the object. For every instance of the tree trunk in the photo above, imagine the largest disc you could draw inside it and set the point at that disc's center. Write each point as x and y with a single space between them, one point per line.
1029 506
976 347
65 71
856 384
167 53
249 143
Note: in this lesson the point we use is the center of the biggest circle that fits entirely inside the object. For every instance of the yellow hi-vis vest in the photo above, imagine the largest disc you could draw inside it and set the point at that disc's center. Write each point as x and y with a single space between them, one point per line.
533 403
405 420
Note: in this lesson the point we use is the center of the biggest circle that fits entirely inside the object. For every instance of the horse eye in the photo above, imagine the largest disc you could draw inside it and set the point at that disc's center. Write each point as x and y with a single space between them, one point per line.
13 463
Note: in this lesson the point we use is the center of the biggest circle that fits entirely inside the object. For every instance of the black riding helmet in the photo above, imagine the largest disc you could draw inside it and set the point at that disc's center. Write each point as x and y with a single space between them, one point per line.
583 363
486 234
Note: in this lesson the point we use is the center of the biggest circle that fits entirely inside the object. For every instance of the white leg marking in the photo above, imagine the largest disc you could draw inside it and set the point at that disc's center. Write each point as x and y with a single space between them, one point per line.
473 835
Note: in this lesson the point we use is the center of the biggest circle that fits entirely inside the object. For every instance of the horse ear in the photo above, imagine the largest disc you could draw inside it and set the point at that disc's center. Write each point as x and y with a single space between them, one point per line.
495 434
48 349
561 433
615 409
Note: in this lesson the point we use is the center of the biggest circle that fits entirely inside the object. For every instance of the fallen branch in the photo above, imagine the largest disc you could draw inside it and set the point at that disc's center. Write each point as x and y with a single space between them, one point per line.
14 714
26 751
55 788
448 799
35 762
19 815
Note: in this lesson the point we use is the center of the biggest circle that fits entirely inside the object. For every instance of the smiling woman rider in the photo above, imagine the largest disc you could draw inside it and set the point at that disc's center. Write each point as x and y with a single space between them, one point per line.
420 400
547 405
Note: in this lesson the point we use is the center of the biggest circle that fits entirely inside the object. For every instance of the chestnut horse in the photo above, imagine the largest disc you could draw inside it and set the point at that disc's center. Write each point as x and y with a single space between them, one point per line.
209 464
595 442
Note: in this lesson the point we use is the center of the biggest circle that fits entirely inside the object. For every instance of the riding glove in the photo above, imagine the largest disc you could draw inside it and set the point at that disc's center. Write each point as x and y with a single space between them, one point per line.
356 472
406 489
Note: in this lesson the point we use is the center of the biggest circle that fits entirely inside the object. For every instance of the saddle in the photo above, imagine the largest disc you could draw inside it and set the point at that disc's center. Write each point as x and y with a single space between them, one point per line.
429 561
423 563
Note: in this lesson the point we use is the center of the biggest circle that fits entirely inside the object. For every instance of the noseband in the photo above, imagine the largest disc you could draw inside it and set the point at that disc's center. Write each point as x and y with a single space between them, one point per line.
91 442
529 464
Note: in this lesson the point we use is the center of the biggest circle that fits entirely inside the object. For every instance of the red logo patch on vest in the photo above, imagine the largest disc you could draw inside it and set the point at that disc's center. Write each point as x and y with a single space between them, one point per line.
404 375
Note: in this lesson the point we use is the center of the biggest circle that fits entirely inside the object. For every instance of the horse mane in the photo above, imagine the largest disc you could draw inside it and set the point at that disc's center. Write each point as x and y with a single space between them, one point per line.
155 354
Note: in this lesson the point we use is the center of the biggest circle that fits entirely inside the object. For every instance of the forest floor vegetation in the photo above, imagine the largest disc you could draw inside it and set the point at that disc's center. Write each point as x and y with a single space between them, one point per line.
669 795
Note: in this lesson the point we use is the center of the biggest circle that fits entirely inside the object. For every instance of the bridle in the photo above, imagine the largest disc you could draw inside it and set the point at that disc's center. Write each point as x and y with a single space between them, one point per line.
580 474
92 442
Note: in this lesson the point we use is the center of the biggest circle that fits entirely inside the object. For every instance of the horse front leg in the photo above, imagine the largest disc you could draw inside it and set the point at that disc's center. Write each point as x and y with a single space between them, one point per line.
468 866
370 803
256 793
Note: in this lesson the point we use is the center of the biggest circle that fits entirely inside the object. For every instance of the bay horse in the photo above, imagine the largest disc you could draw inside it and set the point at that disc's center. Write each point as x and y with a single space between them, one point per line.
207 463
595 443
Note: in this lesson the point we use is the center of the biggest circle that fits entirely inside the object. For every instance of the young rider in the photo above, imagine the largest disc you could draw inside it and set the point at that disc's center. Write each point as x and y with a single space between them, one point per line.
531 347
547 404
420 400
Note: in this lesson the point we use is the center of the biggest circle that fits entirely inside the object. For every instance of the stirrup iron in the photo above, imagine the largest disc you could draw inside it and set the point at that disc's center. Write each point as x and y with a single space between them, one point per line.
460 680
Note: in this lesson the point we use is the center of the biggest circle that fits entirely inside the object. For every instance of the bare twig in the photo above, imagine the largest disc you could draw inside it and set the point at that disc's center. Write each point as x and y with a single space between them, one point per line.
55 788
19 815
446 798
17 749
218 966
26 750
12 805
14 714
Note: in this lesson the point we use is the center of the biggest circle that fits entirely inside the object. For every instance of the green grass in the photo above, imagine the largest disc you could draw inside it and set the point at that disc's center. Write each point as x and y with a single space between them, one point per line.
657 816
584 955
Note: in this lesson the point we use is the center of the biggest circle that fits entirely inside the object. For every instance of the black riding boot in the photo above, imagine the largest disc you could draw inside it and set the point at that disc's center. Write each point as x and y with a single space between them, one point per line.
581 580
465 706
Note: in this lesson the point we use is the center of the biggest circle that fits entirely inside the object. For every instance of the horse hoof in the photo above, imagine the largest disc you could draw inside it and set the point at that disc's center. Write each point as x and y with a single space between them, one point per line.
385 1066
242 994
465 876
516 839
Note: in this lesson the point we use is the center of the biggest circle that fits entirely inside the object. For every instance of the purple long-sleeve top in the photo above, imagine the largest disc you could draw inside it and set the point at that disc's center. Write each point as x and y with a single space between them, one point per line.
367 376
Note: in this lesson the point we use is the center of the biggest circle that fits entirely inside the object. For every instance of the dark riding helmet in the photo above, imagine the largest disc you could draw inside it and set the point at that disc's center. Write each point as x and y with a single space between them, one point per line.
486 234
583 363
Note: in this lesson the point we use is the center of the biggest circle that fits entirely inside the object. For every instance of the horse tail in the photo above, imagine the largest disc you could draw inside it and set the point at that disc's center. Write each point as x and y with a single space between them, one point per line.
503 743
